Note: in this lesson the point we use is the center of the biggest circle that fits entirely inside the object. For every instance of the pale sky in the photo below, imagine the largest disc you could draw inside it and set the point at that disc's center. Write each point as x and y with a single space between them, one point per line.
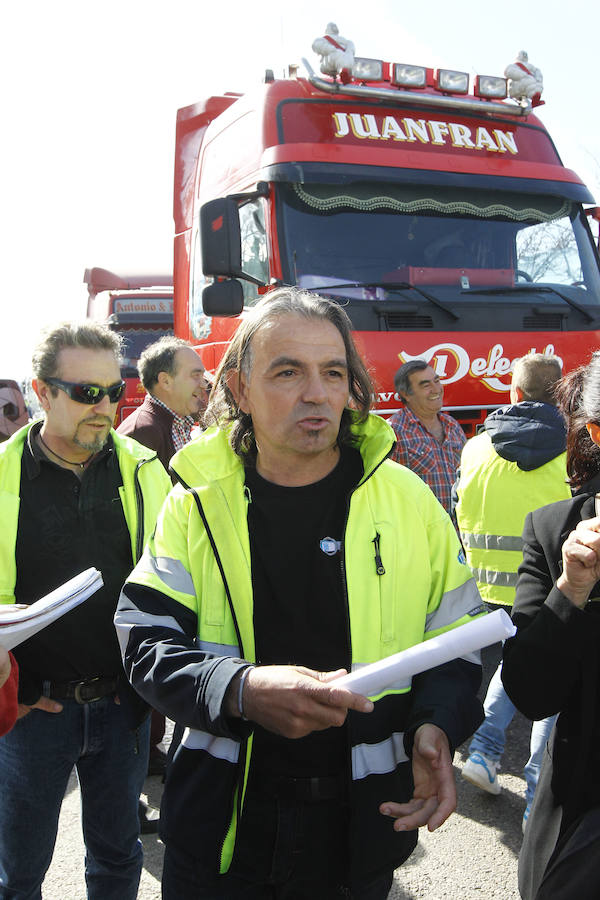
90 92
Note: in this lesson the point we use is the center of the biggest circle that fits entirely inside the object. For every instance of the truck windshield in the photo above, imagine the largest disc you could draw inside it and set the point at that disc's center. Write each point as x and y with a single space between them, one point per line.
450 241
134 341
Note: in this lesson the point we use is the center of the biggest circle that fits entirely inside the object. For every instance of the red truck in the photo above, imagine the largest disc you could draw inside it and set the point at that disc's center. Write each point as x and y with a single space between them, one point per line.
437 212
140 308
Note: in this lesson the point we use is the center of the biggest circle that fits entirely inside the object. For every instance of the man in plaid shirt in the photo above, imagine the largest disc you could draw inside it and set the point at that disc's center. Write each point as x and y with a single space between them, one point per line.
427 440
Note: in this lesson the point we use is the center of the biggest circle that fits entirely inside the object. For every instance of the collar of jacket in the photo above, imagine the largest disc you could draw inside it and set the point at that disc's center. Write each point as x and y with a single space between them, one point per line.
527 433
131 456
210 458
17 441
590 488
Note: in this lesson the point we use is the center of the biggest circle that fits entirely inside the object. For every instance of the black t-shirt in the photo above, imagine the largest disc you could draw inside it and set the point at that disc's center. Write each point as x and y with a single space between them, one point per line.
66 525
300 608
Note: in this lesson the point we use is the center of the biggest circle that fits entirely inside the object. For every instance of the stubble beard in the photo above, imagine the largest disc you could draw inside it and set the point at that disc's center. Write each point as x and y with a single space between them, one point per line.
91 446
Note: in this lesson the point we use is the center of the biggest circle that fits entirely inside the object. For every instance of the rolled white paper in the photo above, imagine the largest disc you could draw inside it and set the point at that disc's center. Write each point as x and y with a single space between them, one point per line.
372 679
17 624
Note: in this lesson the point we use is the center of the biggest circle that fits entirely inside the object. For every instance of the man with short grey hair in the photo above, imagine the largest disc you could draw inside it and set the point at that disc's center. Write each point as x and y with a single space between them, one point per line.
173 376
428 441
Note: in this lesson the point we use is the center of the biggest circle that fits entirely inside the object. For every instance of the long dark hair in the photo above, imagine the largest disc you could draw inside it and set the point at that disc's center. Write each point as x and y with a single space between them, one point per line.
578 397
223 410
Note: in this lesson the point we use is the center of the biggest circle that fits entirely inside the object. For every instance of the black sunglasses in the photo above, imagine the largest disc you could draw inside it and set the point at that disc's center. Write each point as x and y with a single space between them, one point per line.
88 393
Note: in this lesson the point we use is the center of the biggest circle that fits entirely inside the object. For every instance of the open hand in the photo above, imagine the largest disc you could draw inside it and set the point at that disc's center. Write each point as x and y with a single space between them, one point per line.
434 797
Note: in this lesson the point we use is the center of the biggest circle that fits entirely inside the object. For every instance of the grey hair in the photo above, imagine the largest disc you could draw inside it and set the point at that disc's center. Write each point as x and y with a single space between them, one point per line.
402 376
159 357
71 335
223 409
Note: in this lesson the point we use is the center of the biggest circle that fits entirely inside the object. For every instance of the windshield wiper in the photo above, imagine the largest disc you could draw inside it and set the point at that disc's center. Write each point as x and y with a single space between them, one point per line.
391 286
531 288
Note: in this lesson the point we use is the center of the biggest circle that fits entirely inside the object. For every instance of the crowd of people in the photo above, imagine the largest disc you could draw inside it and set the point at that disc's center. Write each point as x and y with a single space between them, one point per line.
246 569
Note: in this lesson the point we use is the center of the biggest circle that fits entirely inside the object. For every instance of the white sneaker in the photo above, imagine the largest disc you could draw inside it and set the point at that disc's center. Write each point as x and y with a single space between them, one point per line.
482 772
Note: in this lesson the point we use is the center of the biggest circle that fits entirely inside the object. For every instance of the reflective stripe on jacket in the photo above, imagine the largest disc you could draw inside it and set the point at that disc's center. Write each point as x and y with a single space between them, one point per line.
405 581
494 497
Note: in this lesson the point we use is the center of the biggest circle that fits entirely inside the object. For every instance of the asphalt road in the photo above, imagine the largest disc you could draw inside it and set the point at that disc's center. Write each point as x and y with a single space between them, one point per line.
472 857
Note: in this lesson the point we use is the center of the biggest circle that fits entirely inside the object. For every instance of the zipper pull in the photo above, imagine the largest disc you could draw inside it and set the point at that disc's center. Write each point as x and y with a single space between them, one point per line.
247 494
379 568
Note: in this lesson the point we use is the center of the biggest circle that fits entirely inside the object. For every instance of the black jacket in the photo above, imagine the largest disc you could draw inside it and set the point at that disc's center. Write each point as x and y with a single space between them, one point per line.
552 665
528 434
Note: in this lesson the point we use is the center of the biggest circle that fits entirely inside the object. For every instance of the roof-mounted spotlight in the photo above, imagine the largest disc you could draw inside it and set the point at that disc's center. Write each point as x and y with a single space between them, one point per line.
451 82
491 86
364 69
404 75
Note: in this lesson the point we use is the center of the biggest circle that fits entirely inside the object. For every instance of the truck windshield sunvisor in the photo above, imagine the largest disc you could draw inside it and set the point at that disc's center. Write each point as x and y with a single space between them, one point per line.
405 198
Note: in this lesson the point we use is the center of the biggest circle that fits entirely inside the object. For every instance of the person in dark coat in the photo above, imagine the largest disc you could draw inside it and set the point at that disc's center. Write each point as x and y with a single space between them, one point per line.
176 394
552 665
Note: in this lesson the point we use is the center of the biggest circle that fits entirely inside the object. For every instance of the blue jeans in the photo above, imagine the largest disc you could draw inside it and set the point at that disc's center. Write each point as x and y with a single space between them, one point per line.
490 737
36 760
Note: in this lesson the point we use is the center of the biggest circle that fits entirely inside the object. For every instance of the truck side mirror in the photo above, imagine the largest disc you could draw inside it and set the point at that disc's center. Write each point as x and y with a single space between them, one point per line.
220 237
223 298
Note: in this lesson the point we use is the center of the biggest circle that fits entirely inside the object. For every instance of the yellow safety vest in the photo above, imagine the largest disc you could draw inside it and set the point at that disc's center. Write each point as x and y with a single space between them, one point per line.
495 496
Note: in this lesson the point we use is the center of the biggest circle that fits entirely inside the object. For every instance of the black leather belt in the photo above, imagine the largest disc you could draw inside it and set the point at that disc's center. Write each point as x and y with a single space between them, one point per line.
307 790
86 691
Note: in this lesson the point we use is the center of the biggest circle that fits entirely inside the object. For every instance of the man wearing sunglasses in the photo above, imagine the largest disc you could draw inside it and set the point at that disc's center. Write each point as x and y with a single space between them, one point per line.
74 494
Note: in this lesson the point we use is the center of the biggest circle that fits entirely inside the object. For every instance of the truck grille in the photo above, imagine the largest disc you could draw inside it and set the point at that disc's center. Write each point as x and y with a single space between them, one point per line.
401 322
549 322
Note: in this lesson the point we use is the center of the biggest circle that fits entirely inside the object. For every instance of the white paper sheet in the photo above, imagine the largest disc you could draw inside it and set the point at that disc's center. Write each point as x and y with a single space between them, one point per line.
400 667
19 623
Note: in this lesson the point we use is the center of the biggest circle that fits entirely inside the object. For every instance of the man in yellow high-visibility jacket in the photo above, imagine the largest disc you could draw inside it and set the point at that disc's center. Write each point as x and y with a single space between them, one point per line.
74 494
292 549
515 466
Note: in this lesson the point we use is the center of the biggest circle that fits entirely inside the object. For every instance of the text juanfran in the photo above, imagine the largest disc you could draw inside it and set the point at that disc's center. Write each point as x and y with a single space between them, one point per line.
424 131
